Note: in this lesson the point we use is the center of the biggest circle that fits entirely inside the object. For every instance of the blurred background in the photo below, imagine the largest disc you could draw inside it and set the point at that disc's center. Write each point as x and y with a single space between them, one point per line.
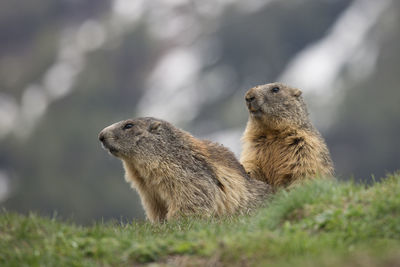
69 68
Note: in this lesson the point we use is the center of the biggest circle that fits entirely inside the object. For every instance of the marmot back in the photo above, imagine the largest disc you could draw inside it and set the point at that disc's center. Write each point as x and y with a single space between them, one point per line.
176 174
280 145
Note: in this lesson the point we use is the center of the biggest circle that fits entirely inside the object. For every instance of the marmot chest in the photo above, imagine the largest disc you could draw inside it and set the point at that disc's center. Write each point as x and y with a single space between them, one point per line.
279 146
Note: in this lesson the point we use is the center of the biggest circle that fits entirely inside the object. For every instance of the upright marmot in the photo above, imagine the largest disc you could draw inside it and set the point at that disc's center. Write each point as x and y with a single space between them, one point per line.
280 145
176 174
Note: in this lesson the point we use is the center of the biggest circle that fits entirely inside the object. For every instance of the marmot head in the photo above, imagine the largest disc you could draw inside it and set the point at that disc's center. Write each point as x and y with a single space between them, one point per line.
276 102
141 139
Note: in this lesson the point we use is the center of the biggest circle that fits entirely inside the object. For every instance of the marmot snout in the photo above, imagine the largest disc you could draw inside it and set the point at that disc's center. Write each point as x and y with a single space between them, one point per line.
276 102
132 138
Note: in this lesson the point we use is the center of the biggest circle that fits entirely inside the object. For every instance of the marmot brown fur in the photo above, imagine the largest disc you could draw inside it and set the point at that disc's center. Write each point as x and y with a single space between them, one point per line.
176 174
280 145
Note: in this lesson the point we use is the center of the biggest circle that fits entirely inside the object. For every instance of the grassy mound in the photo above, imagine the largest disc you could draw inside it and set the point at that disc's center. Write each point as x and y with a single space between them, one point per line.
322 223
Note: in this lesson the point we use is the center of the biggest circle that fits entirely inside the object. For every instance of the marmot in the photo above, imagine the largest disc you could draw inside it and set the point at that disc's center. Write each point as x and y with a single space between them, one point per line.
176 174
280 145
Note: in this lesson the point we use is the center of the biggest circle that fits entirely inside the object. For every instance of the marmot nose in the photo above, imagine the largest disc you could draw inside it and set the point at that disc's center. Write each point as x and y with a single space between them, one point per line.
101 137
249 99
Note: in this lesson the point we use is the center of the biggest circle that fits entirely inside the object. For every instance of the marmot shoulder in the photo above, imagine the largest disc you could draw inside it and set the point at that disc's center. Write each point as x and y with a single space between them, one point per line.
177 174
280 145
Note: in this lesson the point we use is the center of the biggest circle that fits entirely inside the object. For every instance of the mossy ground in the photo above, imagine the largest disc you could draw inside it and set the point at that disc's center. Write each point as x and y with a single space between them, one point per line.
321 223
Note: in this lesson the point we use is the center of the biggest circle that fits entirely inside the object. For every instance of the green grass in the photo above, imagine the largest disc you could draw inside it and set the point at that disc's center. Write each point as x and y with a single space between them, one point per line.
322 223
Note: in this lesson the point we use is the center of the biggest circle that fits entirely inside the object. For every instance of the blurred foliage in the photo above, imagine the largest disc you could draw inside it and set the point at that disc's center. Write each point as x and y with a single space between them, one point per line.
29 32
364 140
61 166
65 162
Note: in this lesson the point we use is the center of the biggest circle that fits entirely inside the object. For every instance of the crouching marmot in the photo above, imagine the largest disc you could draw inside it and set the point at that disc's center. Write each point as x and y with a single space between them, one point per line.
280 145
176 174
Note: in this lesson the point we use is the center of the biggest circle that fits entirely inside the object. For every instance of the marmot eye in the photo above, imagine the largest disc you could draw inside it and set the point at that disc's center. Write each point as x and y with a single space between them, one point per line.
275 90
128 126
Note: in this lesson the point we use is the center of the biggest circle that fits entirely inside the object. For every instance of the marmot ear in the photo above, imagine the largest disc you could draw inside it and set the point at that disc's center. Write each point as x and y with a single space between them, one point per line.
297 92
153 127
